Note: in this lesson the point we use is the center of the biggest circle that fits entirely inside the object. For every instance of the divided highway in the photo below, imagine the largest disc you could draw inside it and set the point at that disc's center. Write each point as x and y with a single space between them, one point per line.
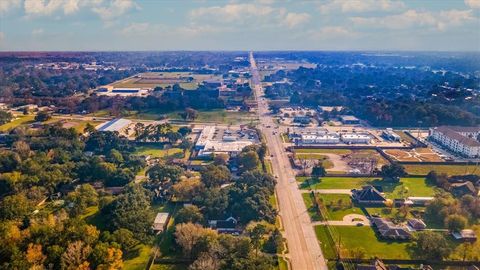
303 247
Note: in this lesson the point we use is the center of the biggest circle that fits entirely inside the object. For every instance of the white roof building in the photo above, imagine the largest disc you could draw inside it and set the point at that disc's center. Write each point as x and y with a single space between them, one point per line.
114 125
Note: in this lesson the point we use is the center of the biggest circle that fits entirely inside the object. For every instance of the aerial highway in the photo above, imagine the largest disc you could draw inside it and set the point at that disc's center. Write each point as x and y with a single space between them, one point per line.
304 249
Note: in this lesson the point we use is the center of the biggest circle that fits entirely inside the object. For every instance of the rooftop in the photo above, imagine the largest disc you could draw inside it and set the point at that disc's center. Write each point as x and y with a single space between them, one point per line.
453 133
114 125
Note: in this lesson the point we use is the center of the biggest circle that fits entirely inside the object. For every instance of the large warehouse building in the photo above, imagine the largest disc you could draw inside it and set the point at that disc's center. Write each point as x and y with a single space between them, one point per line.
118 125
461 140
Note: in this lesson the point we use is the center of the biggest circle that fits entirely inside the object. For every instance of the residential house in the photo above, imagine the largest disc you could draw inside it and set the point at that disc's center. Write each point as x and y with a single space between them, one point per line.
416 224
465 188
368 195
228 225
388 230
160 222
465 235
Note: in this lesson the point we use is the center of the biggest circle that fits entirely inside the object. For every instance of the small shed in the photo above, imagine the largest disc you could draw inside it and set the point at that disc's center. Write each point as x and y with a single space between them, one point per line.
160 222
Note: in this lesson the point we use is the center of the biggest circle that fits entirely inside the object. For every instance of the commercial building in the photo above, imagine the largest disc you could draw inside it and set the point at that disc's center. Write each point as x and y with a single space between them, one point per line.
390 135
356 138
461 140
349 120
119 124
213 140
320 139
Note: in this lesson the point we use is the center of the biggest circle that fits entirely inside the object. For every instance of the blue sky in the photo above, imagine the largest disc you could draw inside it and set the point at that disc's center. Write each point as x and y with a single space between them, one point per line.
452 25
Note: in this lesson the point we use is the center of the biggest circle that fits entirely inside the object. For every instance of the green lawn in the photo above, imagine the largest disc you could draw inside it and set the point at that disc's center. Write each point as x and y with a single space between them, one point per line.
158 152
338 206
408 186
168 267
137 259
219 116
326 162
361 237
24 119
448 169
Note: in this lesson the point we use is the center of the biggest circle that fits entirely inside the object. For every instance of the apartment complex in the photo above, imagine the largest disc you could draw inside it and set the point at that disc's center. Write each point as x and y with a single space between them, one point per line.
461 140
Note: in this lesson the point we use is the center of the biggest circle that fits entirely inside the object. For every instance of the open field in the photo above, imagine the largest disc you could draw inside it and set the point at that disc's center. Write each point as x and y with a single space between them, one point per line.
324 160
21 120
417 154
354 238
338 206
439 168
186 80
219 116
158 152
346 155
408 186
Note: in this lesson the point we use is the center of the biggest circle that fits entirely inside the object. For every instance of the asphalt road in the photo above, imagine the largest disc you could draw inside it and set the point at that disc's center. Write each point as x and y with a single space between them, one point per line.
303 247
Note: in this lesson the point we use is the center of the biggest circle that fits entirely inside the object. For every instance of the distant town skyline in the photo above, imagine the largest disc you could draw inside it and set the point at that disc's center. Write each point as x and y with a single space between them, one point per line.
112 25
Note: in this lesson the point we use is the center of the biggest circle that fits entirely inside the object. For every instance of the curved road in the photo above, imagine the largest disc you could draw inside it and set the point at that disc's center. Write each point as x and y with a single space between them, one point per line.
304 249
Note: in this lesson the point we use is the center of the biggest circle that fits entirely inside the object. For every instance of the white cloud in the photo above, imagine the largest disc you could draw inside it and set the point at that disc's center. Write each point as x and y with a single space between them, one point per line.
358 6
295 19
41 7
332 32
71 6
135 28
114 9
412 18
257 15
6 5
37 32
473 3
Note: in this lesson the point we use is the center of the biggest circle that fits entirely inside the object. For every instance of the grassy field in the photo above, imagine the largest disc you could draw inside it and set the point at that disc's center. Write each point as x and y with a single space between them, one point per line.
326 162
168 267
361 238
164 79
158 152
408 186
448 169
338 206
138 258
219 116
21 120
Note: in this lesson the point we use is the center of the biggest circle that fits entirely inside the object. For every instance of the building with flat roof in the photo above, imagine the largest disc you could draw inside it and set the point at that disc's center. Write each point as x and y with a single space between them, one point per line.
160 222
349 120
213 140
118 125
461 140
356 138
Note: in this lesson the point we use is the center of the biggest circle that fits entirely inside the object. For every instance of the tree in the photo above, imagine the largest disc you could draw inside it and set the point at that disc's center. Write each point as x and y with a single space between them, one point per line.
22 148
124 238
431 245
5 117
75 256
274 243
35 255
248 161
164 174
131 210
190 114
42 116
220 159
318 171
187 189
84 196
185 145
187 235
455 222
113 260
215 176
392 172
189 214
184 131
15 207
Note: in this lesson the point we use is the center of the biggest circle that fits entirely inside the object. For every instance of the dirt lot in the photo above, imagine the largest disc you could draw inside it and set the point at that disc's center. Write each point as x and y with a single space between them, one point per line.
417 154
346 160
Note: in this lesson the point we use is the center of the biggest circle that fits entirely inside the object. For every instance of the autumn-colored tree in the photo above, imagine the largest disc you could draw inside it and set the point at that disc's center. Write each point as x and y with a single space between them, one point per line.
35 255
75 257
